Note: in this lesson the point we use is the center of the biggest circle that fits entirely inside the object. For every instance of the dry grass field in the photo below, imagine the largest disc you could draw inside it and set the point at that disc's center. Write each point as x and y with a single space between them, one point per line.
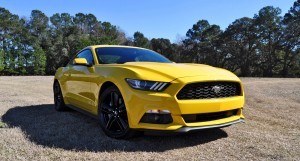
30 128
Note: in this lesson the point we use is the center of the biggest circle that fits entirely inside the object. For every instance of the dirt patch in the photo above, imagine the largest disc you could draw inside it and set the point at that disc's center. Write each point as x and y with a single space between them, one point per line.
31 129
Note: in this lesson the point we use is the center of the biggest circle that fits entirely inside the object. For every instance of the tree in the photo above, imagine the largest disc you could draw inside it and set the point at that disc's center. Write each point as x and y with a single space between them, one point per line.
241 43
140 40
291 41
38 23
39 62
9 27
64 37
1 61
163 46
269 30
80 21
108 34
202 43
265 45
40 42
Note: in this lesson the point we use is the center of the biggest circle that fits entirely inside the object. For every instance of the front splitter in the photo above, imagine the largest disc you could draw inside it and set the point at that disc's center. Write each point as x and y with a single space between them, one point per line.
187 129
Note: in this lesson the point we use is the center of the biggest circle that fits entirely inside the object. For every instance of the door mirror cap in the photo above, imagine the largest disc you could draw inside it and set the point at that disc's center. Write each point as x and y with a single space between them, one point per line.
81 61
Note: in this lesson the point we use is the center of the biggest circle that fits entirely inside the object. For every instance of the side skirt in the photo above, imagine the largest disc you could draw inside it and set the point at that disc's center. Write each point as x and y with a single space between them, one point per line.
82 111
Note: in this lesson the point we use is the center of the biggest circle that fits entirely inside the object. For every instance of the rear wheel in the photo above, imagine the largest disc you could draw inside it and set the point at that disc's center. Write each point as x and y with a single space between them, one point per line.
113 115
59 103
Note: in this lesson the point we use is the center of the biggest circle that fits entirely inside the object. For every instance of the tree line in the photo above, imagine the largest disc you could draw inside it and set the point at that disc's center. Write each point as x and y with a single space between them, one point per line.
266 45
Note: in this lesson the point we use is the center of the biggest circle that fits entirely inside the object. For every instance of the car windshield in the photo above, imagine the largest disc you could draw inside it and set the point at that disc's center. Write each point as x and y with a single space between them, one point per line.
120 55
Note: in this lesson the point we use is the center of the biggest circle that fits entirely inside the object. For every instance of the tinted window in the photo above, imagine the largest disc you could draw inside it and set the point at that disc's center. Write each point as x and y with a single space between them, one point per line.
87 54
119 55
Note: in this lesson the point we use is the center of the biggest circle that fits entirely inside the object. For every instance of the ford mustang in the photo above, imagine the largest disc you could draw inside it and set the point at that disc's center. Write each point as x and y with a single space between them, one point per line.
132 89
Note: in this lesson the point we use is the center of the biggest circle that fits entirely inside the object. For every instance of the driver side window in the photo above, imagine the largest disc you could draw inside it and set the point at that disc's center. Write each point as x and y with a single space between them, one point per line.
87 54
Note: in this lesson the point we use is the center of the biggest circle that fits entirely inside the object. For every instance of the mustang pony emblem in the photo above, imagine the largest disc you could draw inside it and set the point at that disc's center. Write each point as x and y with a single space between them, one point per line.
217 89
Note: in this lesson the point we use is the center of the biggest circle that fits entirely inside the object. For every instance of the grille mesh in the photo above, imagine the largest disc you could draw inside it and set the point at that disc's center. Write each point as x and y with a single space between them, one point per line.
207 90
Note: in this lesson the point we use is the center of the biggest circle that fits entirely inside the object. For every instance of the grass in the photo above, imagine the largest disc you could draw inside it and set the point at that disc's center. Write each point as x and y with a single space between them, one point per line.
2 124
35 131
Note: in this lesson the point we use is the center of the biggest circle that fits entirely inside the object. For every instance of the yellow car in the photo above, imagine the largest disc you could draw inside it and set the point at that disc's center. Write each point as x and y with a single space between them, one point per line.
132 89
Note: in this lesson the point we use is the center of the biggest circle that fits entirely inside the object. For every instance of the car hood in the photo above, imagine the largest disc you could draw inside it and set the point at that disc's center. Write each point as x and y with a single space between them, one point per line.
178 70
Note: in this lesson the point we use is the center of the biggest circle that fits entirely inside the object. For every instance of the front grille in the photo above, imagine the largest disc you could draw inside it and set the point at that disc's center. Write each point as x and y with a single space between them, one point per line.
190 118
207 90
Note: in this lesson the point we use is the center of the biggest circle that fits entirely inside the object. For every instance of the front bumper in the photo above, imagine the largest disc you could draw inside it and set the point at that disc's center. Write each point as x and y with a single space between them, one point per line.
138 102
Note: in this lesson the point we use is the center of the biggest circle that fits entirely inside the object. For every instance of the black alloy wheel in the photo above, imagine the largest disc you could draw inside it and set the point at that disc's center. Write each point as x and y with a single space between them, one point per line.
58 98
113 115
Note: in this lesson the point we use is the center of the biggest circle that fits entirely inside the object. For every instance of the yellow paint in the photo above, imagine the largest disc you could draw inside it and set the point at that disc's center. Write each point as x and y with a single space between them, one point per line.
81 86
80 61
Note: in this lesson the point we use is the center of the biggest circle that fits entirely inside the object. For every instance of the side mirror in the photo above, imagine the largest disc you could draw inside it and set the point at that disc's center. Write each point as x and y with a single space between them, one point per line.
81 61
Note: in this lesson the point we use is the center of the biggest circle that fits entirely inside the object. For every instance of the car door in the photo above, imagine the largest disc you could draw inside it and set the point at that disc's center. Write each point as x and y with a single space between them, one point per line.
79 82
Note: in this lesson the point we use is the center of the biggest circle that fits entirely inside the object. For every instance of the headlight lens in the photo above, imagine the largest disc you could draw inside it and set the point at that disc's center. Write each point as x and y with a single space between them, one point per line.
147 85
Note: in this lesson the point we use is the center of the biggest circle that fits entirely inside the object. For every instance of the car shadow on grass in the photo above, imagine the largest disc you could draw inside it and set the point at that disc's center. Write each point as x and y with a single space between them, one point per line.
74 131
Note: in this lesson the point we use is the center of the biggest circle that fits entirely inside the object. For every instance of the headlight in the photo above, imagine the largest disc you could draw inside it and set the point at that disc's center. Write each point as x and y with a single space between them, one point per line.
147 85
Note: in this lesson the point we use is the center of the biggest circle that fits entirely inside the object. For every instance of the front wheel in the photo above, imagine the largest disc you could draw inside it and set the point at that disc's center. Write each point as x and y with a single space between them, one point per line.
59 103
113 115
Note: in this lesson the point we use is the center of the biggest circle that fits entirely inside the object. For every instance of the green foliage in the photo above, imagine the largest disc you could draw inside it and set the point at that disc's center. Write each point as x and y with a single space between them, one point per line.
163 46
1 60
140 40
2 124
39 61
202 43
241 45
265 45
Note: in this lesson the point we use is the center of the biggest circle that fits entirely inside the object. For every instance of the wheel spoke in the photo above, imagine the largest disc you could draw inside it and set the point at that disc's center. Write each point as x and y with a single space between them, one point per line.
122 108
116 99
106 109
111 99
122 124
110 122
111 103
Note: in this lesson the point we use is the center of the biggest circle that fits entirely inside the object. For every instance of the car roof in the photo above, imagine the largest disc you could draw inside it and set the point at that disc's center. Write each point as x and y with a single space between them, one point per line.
114 46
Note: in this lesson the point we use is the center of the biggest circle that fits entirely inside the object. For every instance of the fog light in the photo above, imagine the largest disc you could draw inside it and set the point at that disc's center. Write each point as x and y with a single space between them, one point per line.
157 117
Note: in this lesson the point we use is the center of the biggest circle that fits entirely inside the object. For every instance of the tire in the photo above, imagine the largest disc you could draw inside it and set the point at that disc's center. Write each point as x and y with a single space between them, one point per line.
59 103
113 115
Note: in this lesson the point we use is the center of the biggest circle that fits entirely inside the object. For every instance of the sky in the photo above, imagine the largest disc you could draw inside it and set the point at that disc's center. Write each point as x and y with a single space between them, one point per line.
154 18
